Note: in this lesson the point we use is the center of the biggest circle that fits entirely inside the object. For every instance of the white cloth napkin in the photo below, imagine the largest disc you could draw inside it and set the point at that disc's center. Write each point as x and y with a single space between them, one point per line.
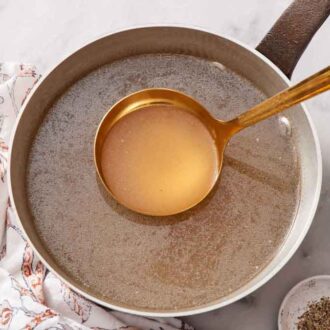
30 296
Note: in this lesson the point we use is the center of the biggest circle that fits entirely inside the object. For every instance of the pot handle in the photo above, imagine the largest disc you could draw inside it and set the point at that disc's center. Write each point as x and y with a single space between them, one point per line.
292 32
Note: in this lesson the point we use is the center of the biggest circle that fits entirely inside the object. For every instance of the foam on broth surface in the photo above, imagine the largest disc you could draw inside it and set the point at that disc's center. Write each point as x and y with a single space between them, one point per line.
168 263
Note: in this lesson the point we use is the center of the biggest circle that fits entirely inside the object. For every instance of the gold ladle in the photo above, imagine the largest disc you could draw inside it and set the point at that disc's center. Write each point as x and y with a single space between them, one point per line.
170 169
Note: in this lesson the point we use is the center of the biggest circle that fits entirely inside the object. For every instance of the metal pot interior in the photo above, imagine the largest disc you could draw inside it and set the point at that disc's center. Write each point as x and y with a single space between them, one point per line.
174 40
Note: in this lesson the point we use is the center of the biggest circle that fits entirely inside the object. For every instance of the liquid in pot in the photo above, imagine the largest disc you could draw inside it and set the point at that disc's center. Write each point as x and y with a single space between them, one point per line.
170 263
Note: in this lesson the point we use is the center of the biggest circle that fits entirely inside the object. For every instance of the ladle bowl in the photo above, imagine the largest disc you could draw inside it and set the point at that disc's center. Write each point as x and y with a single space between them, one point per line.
164 193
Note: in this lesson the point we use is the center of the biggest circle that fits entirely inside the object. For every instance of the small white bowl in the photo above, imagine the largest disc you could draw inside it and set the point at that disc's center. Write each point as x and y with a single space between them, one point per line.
298 298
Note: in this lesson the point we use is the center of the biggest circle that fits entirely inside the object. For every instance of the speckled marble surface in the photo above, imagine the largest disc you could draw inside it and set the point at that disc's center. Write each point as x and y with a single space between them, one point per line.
44 31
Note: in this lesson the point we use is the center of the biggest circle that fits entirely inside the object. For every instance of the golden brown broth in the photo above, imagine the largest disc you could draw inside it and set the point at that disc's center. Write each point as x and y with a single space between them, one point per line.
159 160
162 263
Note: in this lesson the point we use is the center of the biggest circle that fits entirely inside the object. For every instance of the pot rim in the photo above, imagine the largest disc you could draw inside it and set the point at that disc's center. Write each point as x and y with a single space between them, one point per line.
211 306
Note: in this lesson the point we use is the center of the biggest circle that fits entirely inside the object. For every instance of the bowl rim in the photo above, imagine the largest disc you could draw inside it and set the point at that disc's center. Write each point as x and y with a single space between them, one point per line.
293 290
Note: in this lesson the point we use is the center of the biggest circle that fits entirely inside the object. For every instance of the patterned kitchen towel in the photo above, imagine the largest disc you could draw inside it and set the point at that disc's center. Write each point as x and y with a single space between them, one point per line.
31 297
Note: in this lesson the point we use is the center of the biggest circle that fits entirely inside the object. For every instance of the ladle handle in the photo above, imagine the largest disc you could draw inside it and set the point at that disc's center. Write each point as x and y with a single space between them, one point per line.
313 85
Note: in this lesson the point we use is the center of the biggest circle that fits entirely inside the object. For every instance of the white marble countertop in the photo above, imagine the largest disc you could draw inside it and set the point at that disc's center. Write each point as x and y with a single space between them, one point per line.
44 31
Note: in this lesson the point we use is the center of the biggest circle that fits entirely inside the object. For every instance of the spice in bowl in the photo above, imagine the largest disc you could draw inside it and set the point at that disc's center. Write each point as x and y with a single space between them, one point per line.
317 316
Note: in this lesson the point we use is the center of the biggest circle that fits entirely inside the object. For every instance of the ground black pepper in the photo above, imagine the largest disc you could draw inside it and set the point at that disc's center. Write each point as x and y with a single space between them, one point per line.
317 316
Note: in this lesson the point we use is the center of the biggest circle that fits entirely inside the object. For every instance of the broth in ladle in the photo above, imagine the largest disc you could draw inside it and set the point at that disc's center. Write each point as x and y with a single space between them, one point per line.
159 160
